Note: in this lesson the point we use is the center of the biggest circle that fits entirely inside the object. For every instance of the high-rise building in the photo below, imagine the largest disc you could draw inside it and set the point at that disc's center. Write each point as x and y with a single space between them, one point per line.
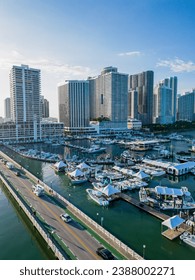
7 108
108 96
133 104
172 83
186 106
25 101
143 83
44 103
162 104
73 98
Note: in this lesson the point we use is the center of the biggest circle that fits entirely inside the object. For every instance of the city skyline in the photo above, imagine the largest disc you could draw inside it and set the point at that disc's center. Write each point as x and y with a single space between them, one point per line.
66 40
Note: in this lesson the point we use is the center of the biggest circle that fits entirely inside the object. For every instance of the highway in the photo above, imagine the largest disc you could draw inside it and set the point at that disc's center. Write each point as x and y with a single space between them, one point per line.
79 241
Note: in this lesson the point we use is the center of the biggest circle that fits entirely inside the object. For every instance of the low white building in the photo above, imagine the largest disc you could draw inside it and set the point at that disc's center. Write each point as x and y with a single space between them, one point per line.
134 124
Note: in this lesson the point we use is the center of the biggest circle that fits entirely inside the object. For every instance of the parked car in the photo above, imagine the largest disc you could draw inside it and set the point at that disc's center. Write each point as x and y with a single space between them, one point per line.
66 218
105 253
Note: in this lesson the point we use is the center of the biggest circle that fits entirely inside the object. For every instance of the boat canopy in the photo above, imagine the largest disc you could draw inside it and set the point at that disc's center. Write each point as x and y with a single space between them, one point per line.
60 164
173 222
168 191
83 165
76 173
109 190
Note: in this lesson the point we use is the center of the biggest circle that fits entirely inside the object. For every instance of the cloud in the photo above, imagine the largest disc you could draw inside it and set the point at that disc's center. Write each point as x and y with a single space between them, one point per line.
133 53
45 64
177 65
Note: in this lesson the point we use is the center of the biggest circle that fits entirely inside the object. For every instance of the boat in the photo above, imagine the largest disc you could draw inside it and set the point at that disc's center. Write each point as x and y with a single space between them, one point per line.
159 147
77 177
188 238
95 149
96 196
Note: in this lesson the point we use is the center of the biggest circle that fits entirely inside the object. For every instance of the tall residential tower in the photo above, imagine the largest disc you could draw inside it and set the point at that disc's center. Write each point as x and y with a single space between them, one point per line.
25 101
73 98
143 83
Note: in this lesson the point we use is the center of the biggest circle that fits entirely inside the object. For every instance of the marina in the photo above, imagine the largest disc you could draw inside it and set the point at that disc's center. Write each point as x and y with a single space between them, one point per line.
79 195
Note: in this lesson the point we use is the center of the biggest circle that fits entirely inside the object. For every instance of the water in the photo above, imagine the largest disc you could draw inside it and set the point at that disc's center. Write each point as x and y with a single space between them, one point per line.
131 225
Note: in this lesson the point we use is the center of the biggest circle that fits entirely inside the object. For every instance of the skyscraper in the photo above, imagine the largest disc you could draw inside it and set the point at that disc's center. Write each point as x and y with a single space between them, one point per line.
73 98
172 83
25 100
162 104
108 96
186 106
143 83
7 108
44 107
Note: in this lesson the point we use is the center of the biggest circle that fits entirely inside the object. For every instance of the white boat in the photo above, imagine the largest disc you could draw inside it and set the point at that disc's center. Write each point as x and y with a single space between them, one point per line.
95 149
188 238
97 197
77 177
159 147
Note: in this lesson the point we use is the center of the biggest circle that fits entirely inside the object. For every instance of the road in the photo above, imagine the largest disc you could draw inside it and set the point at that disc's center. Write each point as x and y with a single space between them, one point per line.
79 241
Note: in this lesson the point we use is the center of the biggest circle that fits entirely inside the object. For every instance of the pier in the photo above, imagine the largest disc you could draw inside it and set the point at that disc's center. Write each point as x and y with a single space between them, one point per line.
169 233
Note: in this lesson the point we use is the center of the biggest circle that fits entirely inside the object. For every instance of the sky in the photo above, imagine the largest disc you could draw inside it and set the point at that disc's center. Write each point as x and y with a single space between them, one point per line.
75 39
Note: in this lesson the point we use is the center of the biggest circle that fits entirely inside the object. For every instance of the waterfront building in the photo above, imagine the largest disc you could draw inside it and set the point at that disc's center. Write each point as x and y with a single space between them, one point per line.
134 124
172 84
44 107
162 104
186 106
25 102
108 97
7 108
73 98
51 129
143 83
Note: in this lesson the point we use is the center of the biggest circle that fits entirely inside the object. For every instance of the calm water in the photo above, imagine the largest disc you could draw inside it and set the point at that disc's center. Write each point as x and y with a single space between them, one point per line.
132 226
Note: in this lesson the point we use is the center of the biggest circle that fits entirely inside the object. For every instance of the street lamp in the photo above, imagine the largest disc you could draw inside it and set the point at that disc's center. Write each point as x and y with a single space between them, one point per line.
144 249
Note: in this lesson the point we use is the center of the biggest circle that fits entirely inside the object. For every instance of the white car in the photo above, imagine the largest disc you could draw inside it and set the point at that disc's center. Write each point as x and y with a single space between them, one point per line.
66 218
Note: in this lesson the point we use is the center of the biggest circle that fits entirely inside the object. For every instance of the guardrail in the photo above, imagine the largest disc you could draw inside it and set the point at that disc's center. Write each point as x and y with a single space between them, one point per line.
106 235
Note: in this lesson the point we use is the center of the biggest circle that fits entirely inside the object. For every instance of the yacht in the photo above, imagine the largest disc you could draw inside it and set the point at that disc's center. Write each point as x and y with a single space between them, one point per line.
96 196
95 149
188 238
77 177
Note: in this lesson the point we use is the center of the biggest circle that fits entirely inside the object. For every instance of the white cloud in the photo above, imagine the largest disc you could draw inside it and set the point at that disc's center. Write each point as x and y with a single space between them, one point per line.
177 65
132 53
45 64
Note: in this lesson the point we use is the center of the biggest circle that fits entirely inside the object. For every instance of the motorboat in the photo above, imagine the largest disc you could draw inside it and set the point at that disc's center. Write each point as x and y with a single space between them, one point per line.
188 238
77 177
96 196
96 149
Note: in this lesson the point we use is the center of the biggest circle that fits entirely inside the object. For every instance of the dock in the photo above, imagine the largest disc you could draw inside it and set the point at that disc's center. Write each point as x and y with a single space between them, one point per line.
169 233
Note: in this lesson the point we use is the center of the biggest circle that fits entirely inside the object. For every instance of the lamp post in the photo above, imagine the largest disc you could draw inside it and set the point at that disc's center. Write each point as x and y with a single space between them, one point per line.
144 249
97 216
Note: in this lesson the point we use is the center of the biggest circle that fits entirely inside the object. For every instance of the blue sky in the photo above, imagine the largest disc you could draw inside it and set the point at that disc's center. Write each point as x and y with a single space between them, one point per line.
74 39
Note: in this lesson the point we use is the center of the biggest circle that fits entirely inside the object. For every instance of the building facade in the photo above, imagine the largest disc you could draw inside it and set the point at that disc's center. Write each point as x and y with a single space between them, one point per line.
108 96
25 101
186 106
172 84
143 83
73 100
162 104
44 107
7 108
